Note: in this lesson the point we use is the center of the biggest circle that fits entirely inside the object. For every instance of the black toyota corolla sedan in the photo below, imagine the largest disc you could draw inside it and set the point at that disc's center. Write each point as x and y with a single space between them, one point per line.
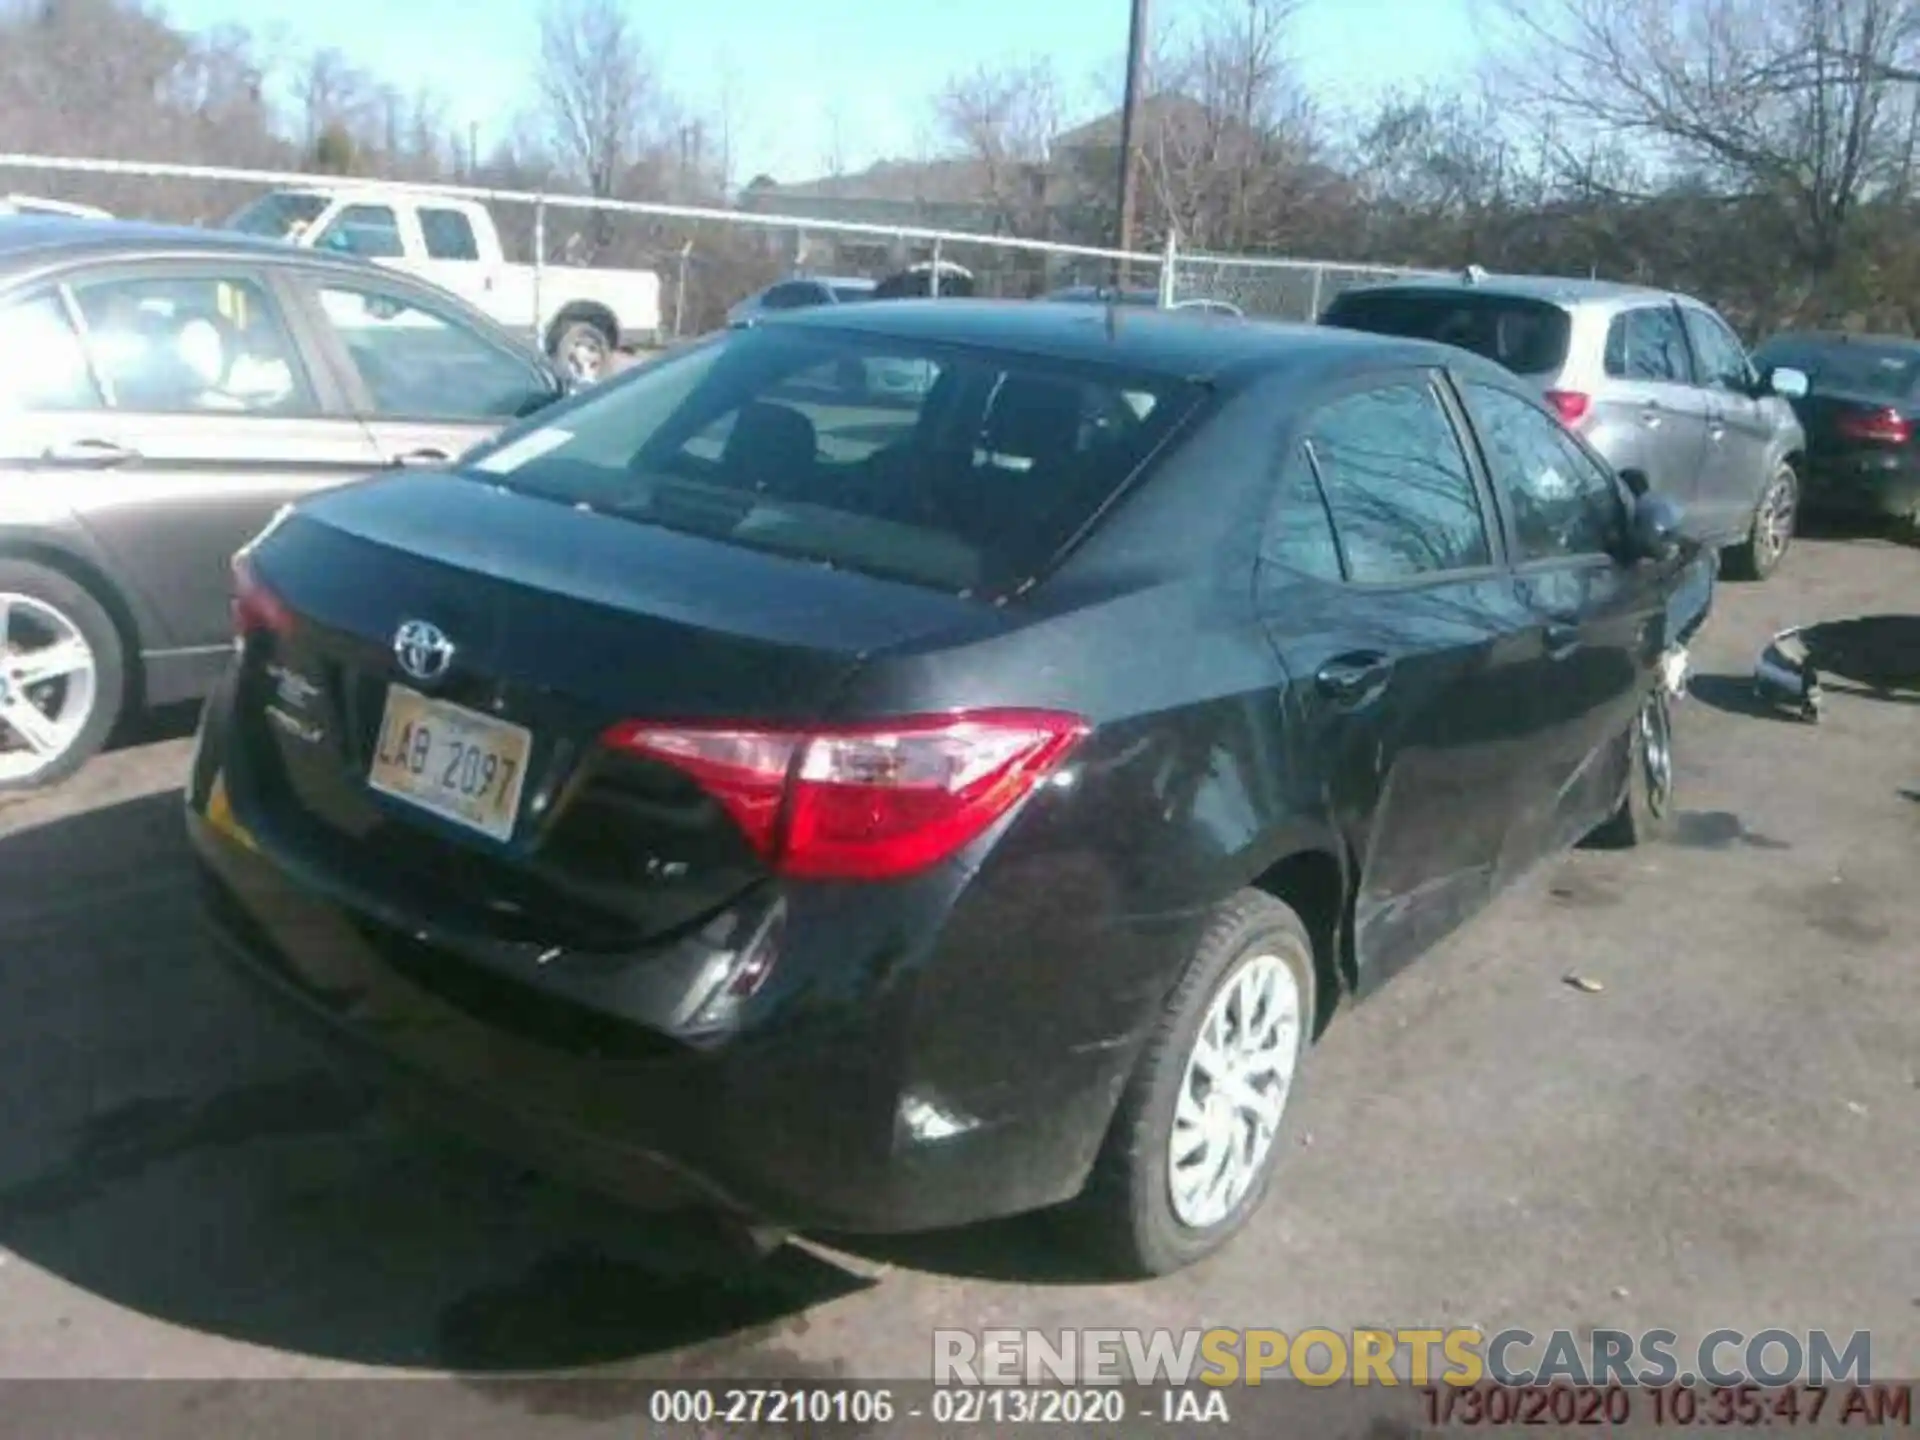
881 812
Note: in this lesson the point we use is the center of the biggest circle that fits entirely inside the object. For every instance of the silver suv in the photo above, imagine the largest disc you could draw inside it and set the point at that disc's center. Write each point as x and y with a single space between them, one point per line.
1657 382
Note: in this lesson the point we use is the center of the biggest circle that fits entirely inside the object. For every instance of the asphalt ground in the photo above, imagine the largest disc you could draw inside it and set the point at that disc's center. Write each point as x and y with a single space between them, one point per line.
1725 1133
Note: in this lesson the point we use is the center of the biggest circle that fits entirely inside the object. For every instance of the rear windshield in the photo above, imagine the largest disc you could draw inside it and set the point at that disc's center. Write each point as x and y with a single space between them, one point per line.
1850 369
276 215
963 470
1528 337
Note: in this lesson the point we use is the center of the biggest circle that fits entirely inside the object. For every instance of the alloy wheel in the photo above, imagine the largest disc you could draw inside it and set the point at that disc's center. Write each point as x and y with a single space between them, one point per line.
1777 514
49 685
1234 1090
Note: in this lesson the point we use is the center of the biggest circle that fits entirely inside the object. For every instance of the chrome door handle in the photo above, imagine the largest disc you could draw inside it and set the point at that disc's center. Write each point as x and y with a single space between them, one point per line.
1350 679
426 455
97 454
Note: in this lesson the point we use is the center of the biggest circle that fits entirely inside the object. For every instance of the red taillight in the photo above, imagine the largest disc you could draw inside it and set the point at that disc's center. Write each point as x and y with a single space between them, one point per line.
1885 427
1570 405
864 802
255 607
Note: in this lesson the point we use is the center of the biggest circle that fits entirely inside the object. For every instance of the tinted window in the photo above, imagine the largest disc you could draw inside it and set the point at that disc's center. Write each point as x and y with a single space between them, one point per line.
1299 533
1648 344
794 295
846 294
1848 367
1721 361
1528 337
419 364
448 235
1402 497
173 344
960 470
1562 502
369 230
42 366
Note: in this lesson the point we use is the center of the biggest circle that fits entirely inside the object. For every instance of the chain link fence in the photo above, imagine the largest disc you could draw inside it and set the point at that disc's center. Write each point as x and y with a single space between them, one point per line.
1273 289
706 258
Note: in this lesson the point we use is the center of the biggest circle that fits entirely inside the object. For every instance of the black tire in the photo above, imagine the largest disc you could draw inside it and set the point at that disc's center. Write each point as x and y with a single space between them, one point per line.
583 338
1126 1215
1646 810
1770 532
72 600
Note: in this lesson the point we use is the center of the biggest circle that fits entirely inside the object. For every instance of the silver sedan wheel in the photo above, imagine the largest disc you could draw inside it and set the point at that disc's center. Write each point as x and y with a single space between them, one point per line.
49 685
1234 1091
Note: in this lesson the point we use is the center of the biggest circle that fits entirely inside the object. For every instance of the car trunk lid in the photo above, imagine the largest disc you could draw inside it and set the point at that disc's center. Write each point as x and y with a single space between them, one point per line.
555 625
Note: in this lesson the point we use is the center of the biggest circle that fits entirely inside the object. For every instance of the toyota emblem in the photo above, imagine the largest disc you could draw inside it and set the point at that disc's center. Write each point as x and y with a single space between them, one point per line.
423 650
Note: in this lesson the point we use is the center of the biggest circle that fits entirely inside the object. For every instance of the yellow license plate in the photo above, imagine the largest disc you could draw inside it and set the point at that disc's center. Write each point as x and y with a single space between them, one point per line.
454 762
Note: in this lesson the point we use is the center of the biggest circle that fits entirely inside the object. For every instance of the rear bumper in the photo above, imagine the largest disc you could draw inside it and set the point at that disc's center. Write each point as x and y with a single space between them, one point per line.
908 1084
1870 484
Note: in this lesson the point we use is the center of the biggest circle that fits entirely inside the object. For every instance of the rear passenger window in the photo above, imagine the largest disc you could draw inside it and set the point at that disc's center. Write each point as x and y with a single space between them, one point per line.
448 235
1563 503
1299 531
1402 498
1648 344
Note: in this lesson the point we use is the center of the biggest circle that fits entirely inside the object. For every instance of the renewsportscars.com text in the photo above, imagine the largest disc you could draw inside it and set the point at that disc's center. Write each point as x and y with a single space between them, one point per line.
1459 1356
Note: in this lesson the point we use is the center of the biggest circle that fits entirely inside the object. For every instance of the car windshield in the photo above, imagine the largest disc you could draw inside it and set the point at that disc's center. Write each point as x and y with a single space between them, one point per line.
1880 370
277 215
1528 337
960 470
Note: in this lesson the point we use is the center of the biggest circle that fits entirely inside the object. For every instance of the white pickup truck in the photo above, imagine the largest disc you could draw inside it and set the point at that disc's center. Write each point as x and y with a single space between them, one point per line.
580 316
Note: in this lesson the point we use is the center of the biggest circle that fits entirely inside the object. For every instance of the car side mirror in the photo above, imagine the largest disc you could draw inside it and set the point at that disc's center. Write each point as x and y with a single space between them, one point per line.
1653 530
1787 382
1636 482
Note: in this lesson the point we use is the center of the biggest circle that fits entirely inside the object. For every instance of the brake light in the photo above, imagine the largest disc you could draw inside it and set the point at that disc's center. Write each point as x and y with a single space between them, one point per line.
866 802
255 607
1885 427
1570 405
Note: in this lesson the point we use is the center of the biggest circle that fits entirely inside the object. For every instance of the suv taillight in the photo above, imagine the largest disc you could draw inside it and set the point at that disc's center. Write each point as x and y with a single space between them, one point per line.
1570 405
863 802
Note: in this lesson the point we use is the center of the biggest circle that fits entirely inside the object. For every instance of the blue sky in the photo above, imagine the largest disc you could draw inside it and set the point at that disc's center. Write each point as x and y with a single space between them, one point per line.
792 67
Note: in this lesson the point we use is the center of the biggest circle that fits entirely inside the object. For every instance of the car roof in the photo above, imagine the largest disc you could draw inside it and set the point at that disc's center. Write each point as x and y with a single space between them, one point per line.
1557 289
1177 344
26 240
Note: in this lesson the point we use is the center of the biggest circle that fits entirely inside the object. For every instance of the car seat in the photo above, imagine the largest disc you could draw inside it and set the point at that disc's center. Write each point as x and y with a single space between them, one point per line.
772 449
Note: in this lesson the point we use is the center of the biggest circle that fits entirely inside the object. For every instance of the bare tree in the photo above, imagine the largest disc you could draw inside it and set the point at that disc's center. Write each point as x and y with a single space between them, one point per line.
1229 130
1005 120
335 95
597 88
1802 102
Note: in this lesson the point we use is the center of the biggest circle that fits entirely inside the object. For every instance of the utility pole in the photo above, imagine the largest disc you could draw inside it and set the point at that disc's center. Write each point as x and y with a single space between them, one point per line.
1129 105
